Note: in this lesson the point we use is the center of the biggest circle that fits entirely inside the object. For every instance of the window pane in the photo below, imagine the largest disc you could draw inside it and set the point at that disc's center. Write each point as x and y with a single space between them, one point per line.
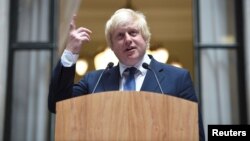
33 18
217 22
219 87
29 120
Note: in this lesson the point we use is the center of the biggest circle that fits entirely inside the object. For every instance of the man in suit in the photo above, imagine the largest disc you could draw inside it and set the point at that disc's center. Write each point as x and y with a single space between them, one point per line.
128 36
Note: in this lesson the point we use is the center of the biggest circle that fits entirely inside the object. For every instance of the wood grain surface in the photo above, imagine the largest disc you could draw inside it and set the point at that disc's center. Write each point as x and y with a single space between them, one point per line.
126 116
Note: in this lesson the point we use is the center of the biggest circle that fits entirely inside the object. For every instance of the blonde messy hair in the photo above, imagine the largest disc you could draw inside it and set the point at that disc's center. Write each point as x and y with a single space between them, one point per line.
123 16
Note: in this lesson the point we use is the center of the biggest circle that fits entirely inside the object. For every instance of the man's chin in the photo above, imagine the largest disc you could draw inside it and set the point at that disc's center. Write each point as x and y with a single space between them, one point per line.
130 61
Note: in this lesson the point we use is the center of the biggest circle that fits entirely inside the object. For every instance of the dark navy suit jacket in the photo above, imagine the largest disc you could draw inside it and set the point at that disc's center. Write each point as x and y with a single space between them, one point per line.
174 81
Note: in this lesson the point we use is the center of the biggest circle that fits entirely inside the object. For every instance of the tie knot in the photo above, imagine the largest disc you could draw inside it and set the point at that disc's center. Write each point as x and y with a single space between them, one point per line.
131 70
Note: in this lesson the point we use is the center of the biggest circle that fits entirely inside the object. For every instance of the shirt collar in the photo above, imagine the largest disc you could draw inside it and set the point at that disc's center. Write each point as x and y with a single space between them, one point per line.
138 65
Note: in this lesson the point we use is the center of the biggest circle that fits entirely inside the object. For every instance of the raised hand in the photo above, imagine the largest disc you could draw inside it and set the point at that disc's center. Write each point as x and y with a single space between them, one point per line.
77 37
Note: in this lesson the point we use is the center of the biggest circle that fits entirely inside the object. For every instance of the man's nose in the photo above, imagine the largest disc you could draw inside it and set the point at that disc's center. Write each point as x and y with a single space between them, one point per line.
128 38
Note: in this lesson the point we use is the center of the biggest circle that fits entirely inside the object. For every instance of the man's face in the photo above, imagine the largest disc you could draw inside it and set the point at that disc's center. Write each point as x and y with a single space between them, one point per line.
128 44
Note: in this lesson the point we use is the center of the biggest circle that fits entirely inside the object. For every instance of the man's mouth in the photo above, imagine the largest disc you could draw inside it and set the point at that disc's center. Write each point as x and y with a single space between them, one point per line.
129 49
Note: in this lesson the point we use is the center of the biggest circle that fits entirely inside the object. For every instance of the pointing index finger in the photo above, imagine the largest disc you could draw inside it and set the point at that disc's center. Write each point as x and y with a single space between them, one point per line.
72 23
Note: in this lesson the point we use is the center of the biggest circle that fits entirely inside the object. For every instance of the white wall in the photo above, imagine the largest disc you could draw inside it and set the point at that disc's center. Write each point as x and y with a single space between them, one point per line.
4 24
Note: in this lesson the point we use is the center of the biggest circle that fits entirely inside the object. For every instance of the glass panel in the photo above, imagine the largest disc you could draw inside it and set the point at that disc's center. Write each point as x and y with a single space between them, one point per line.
4 44
217 22
219 87
33 21
29 120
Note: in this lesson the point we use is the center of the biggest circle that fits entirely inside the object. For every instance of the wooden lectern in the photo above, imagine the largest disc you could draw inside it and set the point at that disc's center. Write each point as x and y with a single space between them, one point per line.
126 116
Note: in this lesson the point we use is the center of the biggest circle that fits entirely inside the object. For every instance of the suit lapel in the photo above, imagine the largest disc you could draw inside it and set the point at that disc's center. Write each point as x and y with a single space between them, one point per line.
150 83
111 80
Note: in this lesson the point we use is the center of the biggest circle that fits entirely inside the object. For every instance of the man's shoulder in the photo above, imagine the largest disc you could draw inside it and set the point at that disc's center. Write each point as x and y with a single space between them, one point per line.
169 68
98 72
94 72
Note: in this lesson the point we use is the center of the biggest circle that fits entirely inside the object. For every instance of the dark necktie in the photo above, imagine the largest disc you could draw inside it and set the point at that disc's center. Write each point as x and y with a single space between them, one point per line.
130 79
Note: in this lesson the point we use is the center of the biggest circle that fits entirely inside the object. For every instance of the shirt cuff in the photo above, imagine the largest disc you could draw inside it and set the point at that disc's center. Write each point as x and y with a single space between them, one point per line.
68 59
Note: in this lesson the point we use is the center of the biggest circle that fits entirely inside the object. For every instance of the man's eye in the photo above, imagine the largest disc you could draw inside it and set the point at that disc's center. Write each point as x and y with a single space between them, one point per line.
119 36
133 33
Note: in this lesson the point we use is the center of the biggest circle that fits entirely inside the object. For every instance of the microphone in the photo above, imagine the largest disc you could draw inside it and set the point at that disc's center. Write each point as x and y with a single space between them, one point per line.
146 66
109 66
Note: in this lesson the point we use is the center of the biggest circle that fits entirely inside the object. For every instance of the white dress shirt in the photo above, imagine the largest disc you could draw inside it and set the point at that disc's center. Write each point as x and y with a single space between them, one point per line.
139 76
68 59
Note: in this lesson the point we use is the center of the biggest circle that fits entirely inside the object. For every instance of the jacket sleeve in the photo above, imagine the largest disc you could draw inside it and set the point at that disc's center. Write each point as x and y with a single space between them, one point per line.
61 85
